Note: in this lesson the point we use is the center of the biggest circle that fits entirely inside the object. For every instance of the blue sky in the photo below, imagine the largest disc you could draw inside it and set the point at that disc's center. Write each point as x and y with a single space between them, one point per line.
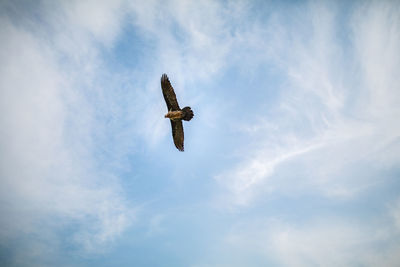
292 158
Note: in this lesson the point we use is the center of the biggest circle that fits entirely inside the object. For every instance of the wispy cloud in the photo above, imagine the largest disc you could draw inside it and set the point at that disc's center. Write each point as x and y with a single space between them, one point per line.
328 242
69 121
50 177
335 85
310 92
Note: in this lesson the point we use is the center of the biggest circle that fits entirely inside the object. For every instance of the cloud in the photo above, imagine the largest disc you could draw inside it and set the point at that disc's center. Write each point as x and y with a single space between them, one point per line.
51 181
100 20
342 244
336 112
328 241
395 212
72 119
187 41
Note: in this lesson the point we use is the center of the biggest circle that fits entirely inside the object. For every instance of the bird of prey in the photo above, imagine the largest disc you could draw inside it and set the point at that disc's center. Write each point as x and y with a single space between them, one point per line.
175 113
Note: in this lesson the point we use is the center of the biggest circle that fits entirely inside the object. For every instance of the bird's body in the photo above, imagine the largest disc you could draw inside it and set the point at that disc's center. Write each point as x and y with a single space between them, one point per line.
175 113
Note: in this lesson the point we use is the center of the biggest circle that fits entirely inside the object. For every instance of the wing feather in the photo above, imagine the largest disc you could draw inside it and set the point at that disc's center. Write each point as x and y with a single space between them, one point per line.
177 133
169 94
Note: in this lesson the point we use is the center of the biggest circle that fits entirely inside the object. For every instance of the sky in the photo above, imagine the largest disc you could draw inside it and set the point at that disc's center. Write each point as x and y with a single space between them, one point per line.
292 158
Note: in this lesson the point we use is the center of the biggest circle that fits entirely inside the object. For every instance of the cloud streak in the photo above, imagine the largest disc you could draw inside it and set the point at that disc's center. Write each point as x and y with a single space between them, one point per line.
49 174
322 109
328 242
293 101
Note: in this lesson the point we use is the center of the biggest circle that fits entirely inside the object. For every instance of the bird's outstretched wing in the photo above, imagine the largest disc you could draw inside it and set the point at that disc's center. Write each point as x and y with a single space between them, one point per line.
177 133
169 94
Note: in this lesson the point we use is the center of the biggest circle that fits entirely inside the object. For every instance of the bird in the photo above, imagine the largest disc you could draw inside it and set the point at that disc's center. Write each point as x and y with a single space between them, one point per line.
175 113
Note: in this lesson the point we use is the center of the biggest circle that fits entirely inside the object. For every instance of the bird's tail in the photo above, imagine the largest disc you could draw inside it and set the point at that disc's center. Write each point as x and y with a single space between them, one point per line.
187 113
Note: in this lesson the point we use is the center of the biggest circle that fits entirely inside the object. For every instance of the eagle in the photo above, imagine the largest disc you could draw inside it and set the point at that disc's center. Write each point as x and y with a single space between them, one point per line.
175 113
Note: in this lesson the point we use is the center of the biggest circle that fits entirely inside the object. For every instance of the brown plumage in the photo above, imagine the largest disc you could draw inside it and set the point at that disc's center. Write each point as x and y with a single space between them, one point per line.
175 113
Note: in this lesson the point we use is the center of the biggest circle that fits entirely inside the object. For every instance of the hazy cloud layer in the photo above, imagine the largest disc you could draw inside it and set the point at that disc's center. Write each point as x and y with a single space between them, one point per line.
51 179
335 110
295 104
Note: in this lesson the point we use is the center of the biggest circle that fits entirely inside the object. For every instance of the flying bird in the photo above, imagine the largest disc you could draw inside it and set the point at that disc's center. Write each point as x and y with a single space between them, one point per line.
175 113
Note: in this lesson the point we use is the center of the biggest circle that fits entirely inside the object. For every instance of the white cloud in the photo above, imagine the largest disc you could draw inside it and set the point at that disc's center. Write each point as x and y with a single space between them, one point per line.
194 40
63 138
50 180
246 180
98 19
51 168
333 243
337 112
325 241
395 212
